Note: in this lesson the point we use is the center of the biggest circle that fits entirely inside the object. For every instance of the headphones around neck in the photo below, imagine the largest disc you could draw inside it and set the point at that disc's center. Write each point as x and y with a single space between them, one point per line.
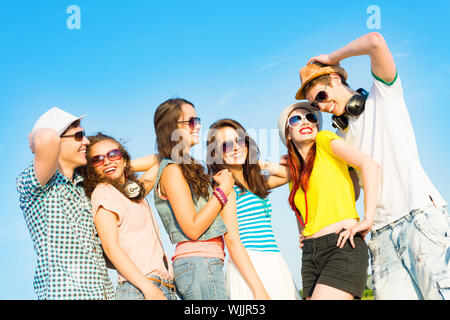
131 189
354 107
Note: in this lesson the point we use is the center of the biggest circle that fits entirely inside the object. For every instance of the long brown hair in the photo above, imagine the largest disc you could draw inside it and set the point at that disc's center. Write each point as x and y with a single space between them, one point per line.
92 179
300 170
165 121
256 182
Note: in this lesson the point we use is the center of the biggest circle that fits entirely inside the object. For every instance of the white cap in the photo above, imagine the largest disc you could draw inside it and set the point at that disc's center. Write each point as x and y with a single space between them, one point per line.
56 119
283 118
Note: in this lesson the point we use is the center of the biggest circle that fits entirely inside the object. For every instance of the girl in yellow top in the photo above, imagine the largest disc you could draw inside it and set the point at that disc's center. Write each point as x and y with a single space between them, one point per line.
323 198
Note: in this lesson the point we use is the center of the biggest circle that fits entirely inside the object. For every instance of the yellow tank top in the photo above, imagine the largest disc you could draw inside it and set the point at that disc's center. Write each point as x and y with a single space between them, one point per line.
330 195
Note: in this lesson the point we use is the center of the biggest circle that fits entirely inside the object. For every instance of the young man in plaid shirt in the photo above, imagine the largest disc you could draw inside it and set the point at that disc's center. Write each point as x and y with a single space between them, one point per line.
58 214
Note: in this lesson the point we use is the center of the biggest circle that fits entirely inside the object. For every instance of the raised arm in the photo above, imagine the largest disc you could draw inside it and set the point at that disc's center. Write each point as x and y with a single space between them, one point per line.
149 164
238 252
145 163
175 187
148 179
279 174
46 146
372 44
370 170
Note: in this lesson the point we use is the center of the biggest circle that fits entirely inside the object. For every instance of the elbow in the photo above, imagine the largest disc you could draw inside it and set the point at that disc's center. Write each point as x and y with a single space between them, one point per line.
46 137
192 235
376 40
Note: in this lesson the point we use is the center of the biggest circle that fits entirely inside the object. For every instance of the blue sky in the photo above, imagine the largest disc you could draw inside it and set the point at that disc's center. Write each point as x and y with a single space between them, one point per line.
237 59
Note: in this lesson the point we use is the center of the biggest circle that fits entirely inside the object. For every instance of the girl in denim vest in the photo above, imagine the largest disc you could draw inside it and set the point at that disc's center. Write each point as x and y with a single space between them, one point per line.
189 209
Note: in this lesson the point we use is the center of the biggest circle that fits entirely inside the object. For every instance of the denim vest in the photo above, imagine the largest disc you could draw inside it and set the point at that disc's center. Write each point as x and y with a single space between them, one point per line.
167 215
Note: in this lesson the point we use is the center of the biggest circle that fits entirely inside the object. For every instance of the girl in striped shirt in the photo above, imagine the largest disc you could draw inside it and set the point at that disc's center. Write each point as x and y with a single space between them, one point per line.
232 148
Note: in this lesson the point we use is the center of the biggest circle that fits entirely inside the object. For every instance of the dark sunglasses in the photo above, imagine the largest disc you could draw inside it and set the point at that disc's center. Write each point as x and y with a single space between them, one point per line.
77 135
321 96
297 119
193 122
228 145
113 155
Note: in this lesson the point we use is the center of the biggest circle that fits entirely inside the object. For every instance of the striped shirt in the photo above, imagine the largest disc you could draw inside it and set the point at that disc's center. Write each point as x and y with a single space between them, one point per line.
254 216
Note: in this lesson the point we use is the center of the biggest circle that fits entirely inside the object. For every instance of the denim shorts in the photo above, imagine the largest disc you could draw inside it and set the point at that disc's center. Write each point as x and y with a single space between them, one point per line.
200 278
324 263
410 257
127 291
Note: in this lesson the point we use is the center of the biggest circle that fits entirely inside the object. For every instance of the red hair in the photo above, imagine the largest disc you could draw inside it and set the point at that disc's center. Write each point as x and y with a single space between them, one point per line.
300 172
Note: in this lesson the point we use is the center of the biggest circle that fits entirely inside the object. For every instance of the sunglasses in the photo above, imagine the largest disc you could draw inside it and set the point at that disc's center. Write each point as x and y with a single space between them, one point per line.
112 155
77 135
228 145
297 119
321 96
193 122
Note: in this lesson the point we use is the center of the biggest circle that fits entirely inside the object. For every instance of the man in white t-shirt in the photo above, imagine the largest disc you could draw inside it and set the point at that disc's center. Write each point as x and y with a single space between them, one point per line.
410 240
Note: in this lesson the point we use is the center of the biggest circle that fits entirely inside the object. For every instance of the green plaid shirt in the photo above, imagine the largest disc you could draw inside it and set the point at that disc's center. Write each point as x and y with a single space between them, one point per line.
70 263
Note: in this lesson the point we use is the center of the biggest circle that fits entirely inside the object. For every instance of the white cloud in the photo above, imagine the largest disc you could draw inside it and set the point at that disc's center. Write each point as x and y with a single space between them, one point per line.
277 61
400 55
229 95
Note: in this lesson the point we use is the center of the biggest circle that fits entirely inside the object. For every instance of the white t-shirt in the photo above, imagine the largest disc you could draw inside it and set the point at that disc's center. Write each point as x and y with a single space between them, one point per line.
384 131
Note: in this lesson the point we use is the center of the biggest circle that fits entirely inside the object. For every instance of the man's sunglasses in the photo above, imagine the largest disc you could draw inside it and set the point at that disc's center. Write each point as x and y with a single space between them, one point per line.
321 96
193 122
297 119
77 135
228 145
113 155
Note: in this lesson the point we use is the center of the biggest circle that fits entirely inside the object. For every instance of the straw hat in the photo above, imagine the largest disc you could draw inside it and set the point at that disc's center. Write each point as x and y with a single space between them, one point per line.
315 70
283 118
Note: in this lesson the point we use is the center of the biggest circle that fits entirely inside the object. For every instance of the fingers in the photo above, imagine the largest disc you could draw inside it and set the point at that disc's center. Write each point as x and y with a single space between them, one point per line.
316 58
344 236
220 173
311 60
301 237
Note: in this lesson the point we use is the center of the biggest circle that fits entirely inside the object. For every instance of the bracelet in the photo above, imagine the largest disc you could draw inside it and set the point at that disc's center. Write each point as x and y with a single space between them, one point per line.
220 195
224 196
219 198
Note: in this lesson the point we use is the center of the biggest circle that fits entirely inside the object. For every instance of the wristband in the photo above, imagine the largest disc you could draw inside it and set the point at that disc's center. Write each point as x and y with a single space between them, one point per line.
222 194
219 198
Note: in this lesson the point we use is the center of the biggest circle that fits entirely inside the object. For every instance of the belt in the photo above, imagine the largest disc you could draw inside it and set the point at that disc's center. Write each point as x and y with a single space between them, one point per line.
168 285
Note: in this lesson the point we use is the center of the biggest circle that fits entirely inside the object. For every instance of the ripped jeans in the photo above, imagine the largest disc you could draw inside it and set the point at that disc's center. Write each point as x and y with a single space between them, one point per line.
410 257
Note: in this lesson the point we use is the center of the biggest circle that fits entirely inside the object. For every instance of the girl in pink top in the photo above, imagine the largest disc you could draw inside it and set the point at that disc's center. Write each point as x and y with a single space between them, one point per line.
124 221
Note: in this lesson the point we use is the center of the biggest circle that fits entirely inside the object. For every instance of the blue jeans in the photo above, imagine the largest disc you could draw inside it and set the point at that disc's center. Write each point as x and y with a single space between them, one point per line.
200 278
127 291
410 257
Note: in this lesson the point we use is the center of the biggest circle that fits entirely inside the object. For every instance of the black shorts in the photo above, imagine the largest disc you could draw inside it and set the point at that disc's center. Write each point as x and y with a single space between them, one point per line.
324 263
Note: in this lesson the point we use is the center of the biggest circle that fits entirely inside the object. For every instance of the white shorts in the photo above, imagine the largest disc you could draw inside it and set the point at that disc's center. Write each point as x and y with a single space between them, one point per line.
273 272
